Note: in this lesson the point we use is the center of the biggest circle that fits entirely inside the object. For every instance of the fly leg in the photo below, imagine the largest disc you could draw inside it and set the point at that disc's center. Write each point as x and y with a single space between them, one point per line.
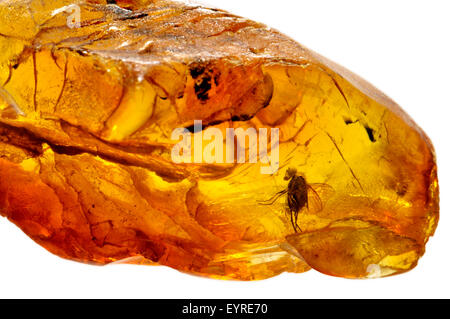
272 200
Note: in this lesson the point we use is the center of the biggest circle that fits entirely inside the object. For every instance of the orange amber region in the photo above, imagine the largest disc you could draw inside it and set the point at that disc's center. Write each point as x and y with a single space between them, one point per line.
86 168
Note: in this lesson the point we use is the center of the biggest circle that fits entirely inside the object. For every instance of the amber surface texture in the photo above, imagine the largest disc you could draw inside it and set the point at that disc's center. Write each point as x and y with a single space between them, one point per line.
87 113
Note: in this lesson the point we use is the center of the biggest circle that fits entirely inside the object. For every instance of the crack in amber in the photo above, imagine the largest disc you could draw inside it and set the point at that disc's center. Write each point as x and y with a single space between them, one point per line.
86 116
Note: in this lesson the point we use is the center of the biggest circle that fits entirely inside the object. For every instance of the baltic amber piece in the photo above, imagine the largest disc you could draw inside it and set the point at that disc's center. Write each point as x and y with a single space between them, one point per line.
91 92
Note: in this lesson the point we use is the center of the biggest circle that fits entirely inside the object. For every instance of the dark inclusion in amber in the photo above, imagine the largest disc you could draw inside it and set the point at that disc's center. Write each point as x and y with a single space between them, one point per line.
86 116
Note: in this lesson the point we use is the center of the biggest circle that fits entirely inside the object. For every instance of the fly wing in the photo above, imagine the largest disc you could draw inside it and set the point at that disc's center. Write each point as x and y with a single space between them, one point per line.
318 195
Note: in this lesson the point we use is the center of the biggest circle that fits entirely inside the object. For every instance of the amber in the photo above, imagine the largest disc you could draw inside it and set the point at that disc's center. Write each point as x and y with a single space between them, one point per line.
86 116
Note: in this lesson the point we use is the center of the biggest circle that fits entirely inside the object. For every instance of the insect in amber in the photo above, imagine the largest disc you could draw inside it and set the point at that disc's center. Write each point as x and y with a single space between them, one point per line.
86 118
300 195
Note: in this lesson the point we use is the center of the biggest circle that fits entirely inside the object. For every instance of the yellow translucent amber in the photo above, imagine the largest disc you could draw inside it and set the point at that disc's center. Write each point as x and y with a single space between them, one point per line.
86 121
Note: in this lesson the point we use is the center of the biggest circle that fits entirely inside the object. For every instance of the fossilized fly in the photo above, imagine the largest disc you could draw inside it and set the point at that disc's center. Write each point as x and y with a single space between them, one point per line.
300 195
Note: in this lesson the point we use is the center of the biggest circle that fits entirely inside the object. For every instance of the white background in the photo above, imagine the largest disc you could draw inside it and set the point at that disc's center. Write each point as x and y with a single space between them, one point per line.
403 48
